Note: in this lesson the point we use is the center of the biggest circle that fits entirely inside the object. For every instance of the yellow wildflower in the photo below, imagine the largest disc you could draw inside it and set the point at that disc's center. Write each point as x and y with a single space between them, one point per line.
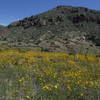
55 86
28 97
82 94
47 88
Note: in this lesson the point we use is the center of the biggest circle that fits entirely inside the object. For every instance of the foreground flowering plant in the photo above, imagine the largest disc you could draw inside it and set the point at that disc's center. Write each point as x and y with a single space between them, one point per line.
34 75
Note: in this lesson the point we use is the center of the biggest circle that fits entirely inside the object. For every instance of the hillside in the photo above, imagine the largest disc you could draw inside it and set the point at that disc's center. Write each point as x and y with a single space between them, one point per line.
62 29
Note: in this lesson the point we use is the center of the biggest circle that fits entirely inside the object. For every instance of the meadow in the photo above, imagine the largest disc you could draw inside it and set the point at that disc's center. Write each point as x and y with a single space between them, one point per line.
30 75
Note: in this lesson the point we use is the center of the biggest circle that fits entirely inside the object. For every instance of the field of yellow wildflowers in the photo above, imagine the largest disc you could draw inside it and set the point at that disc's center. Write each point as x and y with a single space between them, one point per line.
34 75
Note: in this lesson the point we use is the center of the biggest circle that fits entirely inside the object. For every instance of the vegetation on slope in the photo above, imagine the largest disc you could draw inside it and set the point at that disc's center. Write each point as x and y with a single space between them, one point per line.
64 29
48 76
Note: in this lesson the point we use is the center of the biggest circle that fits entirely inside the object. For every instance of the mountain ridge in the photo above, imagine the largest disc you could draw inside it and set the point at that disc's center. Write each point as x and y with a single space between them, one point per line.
60 6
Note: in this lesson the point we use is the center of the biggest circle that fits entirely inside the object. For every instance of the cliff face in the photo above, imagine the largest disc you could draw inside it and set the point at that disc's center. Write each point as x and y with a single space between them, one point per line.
64 29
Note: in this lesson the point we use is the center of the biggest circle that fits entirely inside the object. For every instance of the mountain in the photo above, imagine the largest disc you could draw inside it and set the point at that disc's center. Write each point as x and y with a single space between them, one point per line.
62 29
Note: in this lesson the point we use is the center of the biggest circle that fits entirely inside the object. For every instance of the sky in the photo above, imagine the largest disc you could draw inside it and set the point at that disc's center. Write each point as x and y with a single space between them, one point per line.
12 10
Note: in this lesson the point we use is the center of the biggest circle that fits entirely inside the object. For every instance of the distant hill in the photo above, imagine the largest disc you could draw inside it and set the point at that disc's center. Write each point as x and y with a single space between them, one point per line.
62 29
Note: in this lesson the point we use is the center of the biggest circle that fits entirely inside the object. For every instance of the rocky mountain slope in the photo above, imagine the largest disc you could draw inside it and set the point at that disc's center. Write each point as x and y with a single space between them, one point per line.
62 29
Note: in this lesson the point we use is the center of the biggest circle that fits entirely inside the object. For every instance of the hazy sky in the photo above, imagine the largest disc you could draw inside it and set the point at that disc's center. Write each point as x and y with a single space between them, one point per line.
12 10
